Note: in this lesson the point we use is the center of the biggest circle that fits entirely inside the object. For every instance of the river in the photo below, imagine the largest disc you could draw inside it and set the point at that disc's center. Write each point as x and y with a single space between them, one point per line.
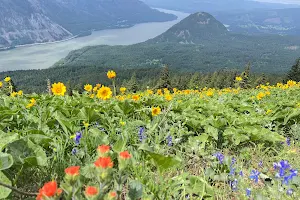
42 56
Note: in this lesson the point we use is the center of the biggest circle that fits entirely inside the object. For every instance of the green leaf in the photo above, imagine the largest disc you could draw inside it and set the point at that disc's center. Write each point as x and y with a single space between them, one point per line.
25 151
164 162
4 192
135 190
120 145
6 161
88 171
6 138
99 135
212 131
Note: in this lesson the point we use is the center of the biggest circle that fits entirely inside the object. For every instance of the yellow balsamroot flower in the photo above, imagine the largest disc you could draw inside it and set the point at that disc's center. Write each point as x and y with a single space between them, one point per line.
268 93
111 74
150 92
88 87
95 89
209 93
1 84
122 123
174 90
269 111
159 92
120 98
136 97
32 103
260 95
59 89
86 124
156 111
123 90
238 78
104 93
20 93
168 97
92 96
13 94
291 83
98 85
7 79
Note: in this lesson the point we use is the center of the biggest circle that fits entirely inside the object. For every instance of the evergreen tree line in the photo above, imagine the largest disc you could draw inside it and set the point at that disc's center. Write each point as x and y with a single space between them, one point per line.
138 79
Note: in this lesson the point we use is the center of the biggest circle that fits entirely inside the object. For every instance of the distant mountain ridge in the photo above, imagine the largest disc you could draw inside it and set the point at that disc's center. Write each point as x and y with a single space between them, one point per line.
243 16
36 21
276 21
212 6
193 29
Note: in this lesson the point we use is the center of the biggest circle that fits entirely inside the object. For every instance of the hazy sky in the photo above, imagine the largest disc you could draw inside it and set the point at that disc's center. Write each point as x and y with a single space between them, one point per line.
282 1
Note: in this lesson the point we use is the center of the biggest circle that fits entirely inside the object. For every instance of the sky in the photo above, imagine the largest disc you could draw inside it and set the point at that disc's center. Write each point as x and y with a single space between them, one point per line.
281 1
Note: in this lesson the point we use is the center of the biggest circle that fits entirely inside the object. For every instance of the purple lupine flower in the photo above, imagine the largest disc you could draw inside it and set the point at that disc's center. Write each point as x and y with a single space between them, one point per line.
260 164
254 175
288 141
234 184
74 151
289 177
293 172
78 136
219 156
169 140
248 192
241 173
141 134
283 166
232 171
233 161
289 192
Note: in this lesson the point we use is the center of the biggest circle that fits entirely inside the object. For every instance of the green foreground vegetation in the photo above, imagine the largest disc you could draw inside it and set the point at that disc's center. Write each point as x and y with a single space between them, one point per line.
231 143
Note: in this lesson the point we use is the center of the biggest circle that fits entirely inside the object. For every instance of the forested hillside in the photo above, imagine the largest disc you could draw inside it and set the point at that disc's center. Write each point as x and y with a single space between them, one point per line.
32 21
197 43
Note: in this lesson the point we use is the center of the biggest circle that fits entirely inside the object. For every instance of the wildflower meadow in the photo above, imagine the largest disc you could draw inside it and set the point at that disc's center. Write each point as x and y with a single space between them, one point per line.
108 143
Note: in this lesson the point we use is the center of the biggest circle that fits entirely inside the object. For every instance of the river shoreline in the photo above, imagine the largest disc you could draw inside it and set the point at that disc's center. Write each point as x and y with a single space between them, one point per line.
45 55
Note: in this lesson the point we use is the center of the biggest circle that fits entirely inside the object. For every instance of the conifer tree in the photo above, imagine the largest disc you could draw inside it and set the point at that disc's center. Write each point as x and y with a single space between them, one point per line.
164 80
245 83
294 73
132 84
194 81
261 80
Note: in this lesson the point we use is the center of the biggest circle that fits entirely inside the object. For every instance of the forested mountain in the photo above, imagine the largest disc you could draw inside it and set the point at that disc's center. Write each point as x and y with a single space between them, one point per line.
243 16
197 43
279 21
214 5
34 21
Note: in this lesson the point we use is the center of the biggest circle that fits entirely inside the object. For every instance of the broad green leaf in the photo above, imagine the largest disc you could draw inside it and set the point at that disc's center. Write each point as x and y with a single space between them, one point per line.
164 162
25 151
212 131
88 171
6 161
6 138
98 135
4 192
120 145
135 190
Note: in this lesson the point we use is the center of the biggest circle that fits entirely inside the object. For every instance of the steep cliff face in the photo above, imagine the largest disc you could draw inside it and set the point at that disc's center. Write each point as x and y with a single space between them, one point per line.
35 21
23 22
